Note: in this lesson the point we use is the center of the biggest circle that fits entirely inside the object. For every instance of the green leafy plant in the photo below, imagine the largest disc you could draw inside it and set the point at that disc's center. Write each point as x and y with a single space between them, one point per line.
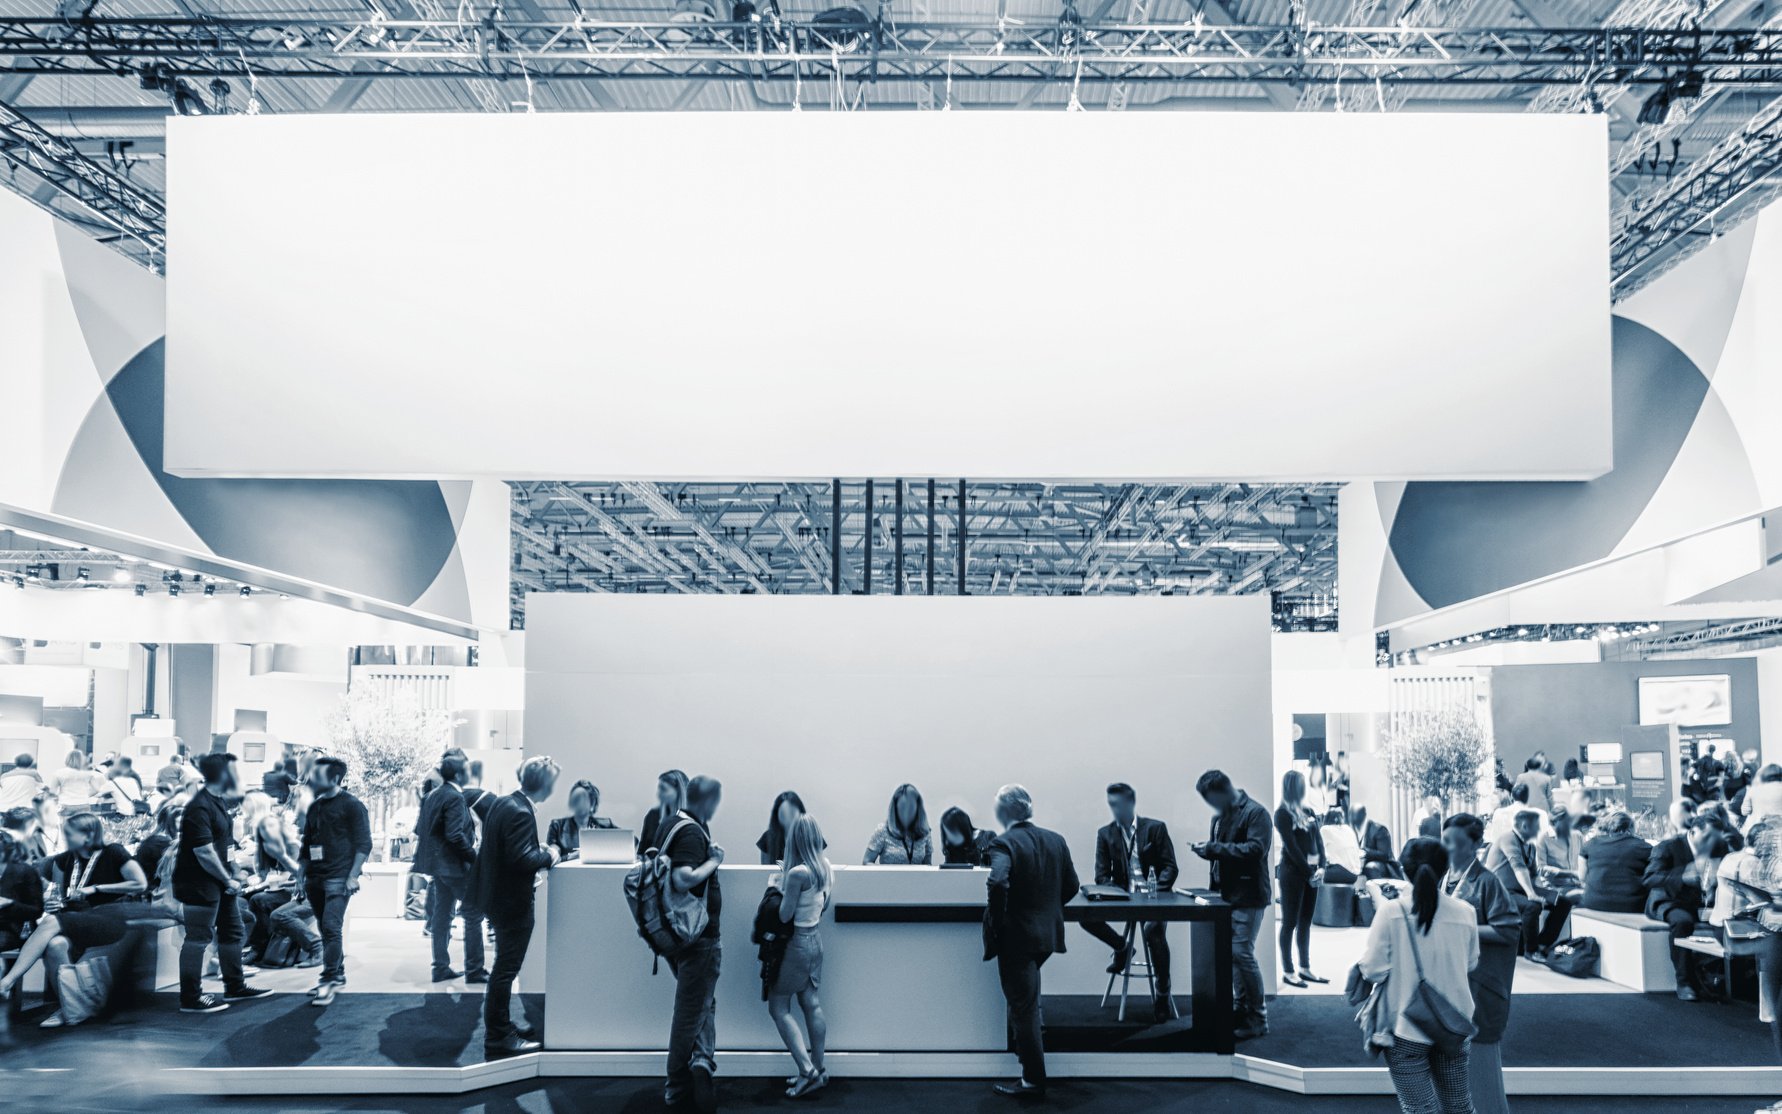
1440 754
390 743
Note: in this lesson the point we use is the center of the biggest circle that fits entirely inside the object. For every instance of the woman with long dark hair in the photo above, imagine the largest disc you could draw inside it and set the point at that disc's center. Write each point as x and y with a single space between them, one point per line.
1300 873
787 808
963 844
902 840
1424 936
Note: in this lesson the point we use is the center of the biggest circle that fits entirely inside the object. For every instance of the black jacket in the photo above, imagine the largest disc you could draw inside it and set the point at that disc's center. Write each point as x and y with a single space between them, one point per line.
1299 847
1666 889
1238 852
770 936
1376 845
501 881
1615 872
1155 853
445 840
1031 879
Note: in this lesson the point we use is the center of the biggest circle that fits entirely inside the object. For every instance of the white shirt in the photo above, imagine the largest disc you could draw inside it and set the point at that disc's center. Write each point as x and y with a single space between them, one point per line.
18 788
1449 951
78 787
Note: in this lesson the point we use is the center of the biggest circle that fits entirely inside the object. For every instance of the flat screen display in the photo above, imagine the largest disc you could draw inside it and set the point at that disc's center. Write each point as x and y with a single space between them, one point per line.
1648 765
1602 753
1695 701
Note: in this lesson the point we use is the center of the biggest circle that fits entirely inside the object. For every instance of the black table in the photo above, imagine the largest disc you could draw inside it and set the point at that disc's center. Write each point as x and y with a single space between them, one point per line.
1208 918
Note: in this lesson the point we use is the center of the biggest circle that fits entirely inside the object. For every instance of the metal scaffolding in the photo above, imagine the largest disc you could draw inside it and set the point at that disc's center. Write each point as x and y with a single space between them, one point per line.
1019 539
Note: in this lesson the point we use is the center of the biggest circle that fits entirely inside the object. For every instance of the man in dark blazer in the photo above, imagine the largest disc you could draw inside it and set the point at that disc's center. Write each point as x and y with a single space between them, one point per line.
445 850
1674 892
1031 880
501 885
1242 834
1126 852
1378 860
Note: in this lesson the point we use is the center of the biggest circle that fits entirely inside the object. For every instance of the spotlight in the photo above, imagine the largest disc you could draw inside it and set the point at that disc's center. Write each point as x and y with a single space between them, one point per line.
210 590
141 590
82 573
246 591
120 576
173 589
18 581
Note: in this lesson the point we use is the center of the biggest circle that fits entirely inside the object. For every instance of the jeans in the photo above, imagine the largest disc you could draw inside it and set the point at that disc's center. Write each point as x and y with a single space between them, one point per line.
444 897
1020 975
263 905
1156 939
295 919
204 923
693 1034
1429 1081
328 898
1298 900
513 935
1249 1005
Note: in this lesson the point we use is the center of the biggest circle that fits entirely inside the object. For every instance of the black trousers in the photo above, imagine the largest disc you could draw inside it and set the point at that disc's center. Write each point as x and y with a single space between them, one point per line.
513 935
1299 899
1156 938
1682 926
1535 934
1020 975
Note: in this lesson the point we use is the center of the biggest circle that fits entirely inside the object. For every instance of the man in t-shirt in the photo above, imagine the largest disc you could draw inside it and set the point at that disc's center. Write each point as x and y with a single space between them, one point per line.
19 786
204 885
693 1034
336 843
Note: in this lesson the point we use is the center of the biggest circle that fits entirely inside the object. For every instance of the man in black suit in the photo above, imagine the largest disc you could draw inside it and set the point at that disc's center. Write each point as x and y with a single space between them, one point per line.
1674 891
501 885
445 850
1377 857
1126 853
1031 879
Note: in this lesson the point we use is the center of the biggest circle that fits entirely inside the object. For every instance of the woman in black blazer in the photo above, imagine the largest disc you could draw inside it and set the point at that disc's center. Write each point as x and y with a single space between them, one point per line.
1300 873
566 831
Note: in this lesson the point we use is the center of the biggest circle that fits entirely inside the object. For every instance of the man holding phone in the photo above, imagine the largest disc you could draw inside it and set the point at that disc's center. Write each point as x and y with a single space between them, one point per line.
1238 851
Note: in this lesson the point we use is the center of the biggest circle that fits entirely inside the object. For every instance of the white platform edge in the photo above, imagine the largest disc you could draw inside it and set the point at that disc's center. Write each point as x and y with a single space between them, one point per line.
337 1080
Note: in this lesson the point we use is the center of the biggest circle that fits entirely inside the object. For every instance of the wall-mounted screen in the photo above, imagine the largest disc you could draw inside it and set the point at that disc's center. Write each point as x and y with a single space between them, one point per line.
1694 701
1648 765
1602 753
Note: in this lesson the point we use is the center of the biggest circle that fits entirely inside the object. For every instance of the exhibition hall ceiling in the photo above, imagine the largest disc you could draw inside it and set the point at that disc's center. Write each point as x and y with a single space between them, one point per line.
1689 86
1021 539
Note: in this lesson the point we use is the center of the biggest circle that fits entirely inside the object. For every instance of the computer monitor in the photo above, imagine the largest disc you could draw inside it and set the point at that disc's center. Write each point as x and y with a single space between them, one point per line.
1602 754
608 846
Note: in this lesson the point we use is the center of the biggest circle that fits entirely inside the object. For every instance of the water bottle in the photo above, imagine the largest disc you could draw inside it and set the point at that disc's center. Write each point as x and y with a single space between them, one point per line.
1151 881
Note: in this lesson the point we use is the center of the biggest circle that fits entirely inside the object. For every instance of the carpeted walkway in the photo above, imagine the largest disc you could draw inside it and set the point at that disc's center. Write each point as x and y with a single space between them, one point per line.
638 1096
1546 1030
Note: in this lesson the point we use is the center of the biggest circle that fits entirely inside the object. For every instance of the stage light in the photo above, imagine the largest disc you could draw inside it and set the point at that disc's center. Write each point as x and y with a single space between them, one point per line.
120 576
173 589
210 590
141 590
246 591
82 573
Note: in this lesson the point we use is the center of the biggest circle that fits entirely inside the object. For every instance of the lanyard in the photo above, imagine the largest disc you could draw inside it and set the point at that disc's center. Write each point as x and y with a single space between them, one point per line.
89 863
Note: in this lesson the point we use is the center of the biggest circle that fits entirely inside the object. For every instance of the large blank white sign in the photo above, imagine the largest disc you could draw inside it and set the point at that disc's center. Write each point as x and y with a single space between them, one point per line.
779 295
843 698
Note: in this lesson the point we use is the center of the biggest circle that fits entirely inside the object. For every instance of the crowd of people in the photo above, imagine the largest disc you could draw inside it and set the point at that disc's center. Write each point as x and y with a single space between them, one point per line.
264 876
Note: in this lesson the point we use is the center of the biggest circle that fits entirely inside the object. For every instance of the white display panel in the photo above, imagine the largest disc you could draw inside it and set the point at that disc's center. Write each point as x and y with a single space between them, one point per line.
843 698
1025 295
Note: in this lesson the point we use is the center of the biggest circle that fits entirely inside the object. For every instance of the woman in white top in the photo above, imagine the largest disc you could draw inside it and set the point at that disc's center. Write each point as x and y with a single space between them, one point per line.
805 893
1446 943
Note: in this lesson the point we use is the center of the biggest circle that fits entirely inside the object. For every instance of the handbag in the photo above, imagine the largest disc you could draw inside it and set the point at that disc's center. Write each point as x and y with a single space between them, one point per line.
1578 957
1444 1025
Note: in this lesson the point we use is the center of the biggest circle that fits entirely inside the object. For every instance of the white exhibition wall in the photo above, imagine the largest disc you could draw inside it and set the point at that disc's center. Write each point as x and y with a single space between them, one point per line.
579 296
843 698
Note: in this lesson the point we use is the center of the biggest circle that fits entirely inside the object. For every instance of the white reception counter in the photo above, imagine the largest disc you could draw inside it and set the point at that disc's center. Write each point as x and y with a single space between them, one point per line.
887 987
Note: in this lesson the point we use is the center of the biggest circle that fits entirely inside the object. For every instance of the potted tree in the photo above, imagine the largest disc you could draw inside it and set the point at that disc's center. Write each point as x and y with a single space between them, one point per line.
1443 755
391 744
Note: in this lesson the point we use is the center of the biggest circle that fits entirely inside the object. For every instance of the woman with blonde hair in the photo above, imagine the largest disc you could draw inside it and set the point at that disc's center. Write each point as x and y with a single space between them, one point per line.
807 881
903 839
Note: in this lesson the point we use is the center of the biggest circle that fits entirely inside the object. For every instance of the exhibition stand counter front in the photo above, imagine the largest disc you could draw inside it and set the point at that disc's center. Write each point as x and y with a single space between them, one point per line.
903 967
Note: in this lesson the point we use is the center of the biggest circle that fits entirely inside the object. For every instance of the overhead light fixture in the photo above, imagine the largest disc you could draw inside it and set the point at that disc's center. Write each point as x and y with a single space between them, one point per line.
83 573
246 591
173 588
141 590
121 576
210 590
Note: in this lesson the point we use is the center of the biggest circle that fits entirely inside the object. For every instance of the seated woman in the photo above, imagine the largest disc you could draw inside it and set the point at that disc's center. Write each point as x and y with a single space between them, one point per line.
566 831
1615 867
158 842
787 808
21 893
92 878
961 843
902 840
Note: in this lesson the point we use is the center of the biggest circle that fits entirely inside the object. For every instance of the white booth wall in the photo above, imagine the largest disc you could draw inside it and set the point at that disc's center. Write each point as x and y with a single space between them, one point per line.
843 698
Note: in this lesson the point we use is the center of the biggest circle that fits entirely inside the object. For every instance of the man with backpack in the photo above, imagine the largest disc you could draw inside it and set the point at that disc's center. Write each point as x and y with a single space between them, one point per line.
501 885
693 861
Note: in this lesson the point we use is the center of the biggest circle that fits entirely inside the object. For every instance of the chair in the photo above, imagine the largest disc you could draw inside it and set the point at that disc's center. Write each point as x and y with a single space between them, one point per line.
1134 942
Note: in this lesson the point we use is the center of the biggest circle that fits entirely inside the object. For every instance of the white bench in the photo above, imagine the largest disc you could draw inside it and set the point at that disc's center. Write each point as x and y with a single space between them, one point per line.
1636 949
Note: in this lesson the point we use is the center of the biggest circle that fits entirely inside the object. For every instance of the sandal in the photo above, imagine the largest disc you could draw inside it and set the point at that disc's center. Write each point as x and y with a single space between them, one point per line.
1309 977
805 1085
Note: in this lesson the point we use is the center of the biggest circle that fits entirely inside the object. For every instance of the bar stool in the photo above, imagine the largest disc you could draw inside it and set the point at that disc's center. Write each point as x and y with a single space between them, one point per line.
1135 943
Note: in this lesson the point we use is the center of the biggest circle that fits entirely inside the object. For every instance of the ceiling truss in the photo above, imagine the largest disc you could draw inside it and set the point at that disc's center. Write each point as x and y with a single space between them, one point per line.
1022 539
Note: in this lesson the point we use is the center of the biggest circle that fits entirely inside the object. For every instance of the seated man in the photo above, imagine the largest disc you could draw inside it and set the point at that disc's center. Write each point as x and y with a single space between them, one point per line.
1677 874
1127 852
1515 859
1373 856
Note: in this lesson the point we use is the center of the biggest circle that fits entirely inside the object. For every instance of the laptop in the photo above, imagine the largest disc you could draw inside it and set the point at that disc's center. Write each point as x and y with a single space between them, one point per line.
608 846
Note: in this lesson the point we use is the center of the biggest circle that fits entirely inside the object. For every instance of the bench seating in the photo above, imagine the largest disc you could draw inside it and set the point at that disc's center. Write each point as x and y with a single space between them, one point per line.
1636 950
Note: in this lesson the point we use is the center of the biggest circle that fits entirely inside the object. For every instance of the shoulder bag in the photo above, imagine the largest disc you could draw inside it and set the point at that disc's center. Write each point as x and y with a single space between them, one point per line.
1429 1009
